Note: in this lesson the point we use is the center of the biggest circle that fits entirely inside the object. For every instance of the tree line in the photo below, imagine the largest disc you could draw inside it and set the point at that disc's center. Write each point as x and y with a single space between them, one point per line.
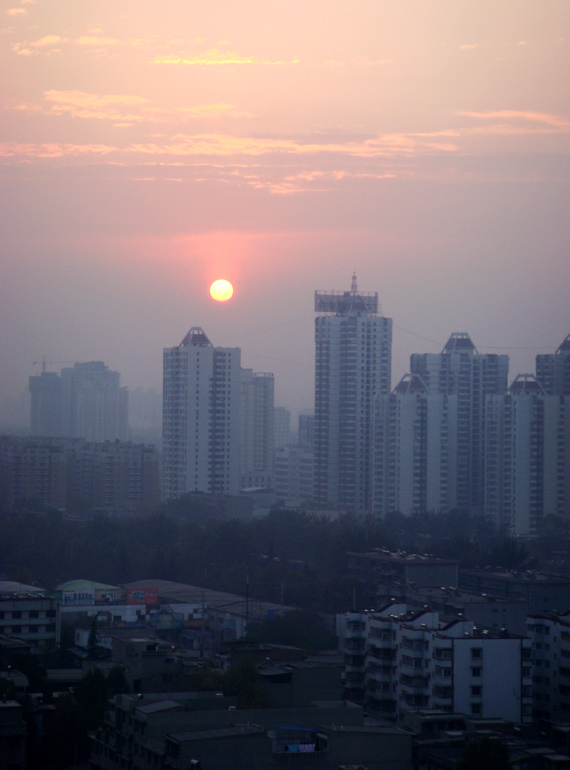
291 557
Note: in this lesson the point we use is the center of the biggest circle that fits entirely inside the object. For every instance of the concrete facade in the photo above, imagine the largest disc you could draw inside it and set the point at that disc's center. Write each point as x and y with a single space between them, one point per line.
201 417
114 477
256 429
396 661
352 368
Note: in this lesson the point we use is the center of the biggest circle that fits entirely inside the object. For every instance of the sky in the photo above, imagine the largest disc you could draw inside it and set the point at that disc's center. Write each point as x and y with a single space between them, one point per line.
149 148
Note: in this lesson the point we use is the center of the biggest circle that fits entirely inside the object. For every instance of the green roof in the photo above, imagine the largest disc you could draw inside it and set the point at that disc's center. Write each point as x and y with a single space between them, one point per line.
82 585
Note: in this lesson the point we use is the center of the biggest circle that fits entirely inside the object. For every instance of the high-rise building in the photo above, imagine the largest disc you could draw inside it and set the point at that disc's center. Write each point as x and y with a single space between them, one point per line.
201 417
527 456
85 401
256 431
353 366
461 371
307 430
294 471
553 370
415 449
45 405
281 427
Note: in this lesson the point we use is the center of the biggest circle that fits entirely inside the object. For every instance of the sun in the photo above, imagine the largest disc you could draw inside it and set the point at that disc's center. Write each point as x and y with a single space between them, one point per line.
221 290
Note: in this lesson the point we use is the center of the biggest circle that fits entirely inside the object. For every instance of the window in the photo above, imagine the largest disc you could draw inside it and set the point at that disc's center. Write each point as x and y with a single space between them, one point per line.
476 690
475 709
475 670
476 653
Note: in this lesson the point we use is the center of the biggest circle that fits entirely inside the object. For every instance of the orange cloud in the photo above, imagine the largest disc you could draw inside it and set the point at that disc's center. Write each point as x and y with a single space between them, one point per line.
94 40
16 11
216 57
80 104
214 111
224 145
52 150
545 123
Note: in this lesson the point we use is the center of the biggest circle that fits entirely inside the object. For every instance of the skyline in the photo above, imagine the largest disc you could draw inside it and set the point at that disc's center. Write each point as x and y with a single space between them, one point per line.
146 152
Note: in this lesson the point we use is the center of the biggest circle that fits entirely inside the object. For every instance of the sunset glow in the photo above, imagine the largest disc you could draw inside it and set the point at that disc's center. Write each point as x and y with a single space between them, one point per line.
146 149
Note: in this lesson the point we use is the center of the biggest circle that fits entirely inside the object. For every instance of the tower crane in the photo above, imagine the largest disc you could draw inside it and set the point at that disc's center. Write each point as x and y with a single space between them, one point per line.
43 362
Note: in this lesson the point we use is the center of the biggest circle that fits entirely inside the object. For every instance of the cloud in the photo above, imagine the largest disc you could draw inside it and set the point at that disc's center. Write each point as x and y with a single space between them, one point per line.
52 150
519 122
222 109
27 47
16 11
217 145
95 40
47 40
467 47
217 58
30 47
81 104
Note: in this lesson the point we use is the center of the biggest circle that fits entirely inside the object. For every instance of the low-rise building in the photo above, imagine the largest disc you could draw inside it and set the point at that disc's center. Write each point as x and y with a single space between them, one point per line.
30 617
171 731
543 593
550 636
396 660
13 732
381 568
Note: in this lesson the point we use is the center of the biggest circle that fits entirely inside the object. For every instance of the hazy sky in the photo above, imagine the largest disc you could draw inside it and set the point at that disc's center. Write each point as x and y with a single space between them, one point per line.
147 148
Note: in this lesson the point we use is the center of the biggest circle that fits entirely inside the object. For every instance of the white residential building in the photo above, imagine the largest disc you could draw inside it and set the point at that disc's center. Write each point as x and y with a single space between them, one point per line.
352 367
294 472
396 660
550 636
256 431
461 371
201 417
415 449
553 370
527 456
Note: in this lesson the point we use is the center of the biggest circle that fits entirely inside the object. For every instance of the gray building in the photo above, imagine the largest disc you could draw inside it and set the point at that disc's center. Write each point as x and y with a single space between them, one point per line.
170 731
256 429
201 417
542 593
353 354
28 615
461 371
85 401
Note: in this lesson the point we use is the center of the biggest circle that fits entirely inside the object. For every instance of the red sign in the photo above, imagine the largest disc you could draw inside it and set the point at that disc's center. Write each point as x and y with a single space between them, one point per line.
142 595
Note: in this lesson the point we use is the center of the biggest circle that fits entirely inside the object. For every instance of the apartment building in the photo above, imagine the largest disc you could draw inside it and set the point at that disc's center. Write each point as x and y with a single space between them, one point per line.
111 476
353 344
201 417
550 636
396 661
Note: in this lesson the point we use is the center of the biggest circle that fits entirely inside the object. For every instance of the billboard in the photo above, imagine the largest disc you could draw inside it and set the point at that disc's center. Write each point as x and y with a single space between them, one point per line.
83 598
110 596
142 595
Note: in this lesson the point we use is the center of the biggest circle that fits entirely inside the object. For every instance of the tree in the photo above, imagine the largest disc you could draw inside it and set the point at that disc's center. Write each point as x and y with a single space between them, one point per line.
117 682
92 644
245 682
299 628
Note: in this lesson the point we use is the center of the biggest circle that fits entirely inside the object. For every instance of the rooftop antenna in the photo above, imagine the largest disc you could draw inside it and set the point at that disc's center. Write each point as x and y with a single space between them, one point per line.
353 287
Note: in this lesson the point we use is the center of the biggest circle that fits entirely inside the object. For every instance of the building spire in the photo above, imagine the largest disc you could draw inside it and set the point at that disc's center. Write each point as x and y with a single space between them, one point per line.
353 287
